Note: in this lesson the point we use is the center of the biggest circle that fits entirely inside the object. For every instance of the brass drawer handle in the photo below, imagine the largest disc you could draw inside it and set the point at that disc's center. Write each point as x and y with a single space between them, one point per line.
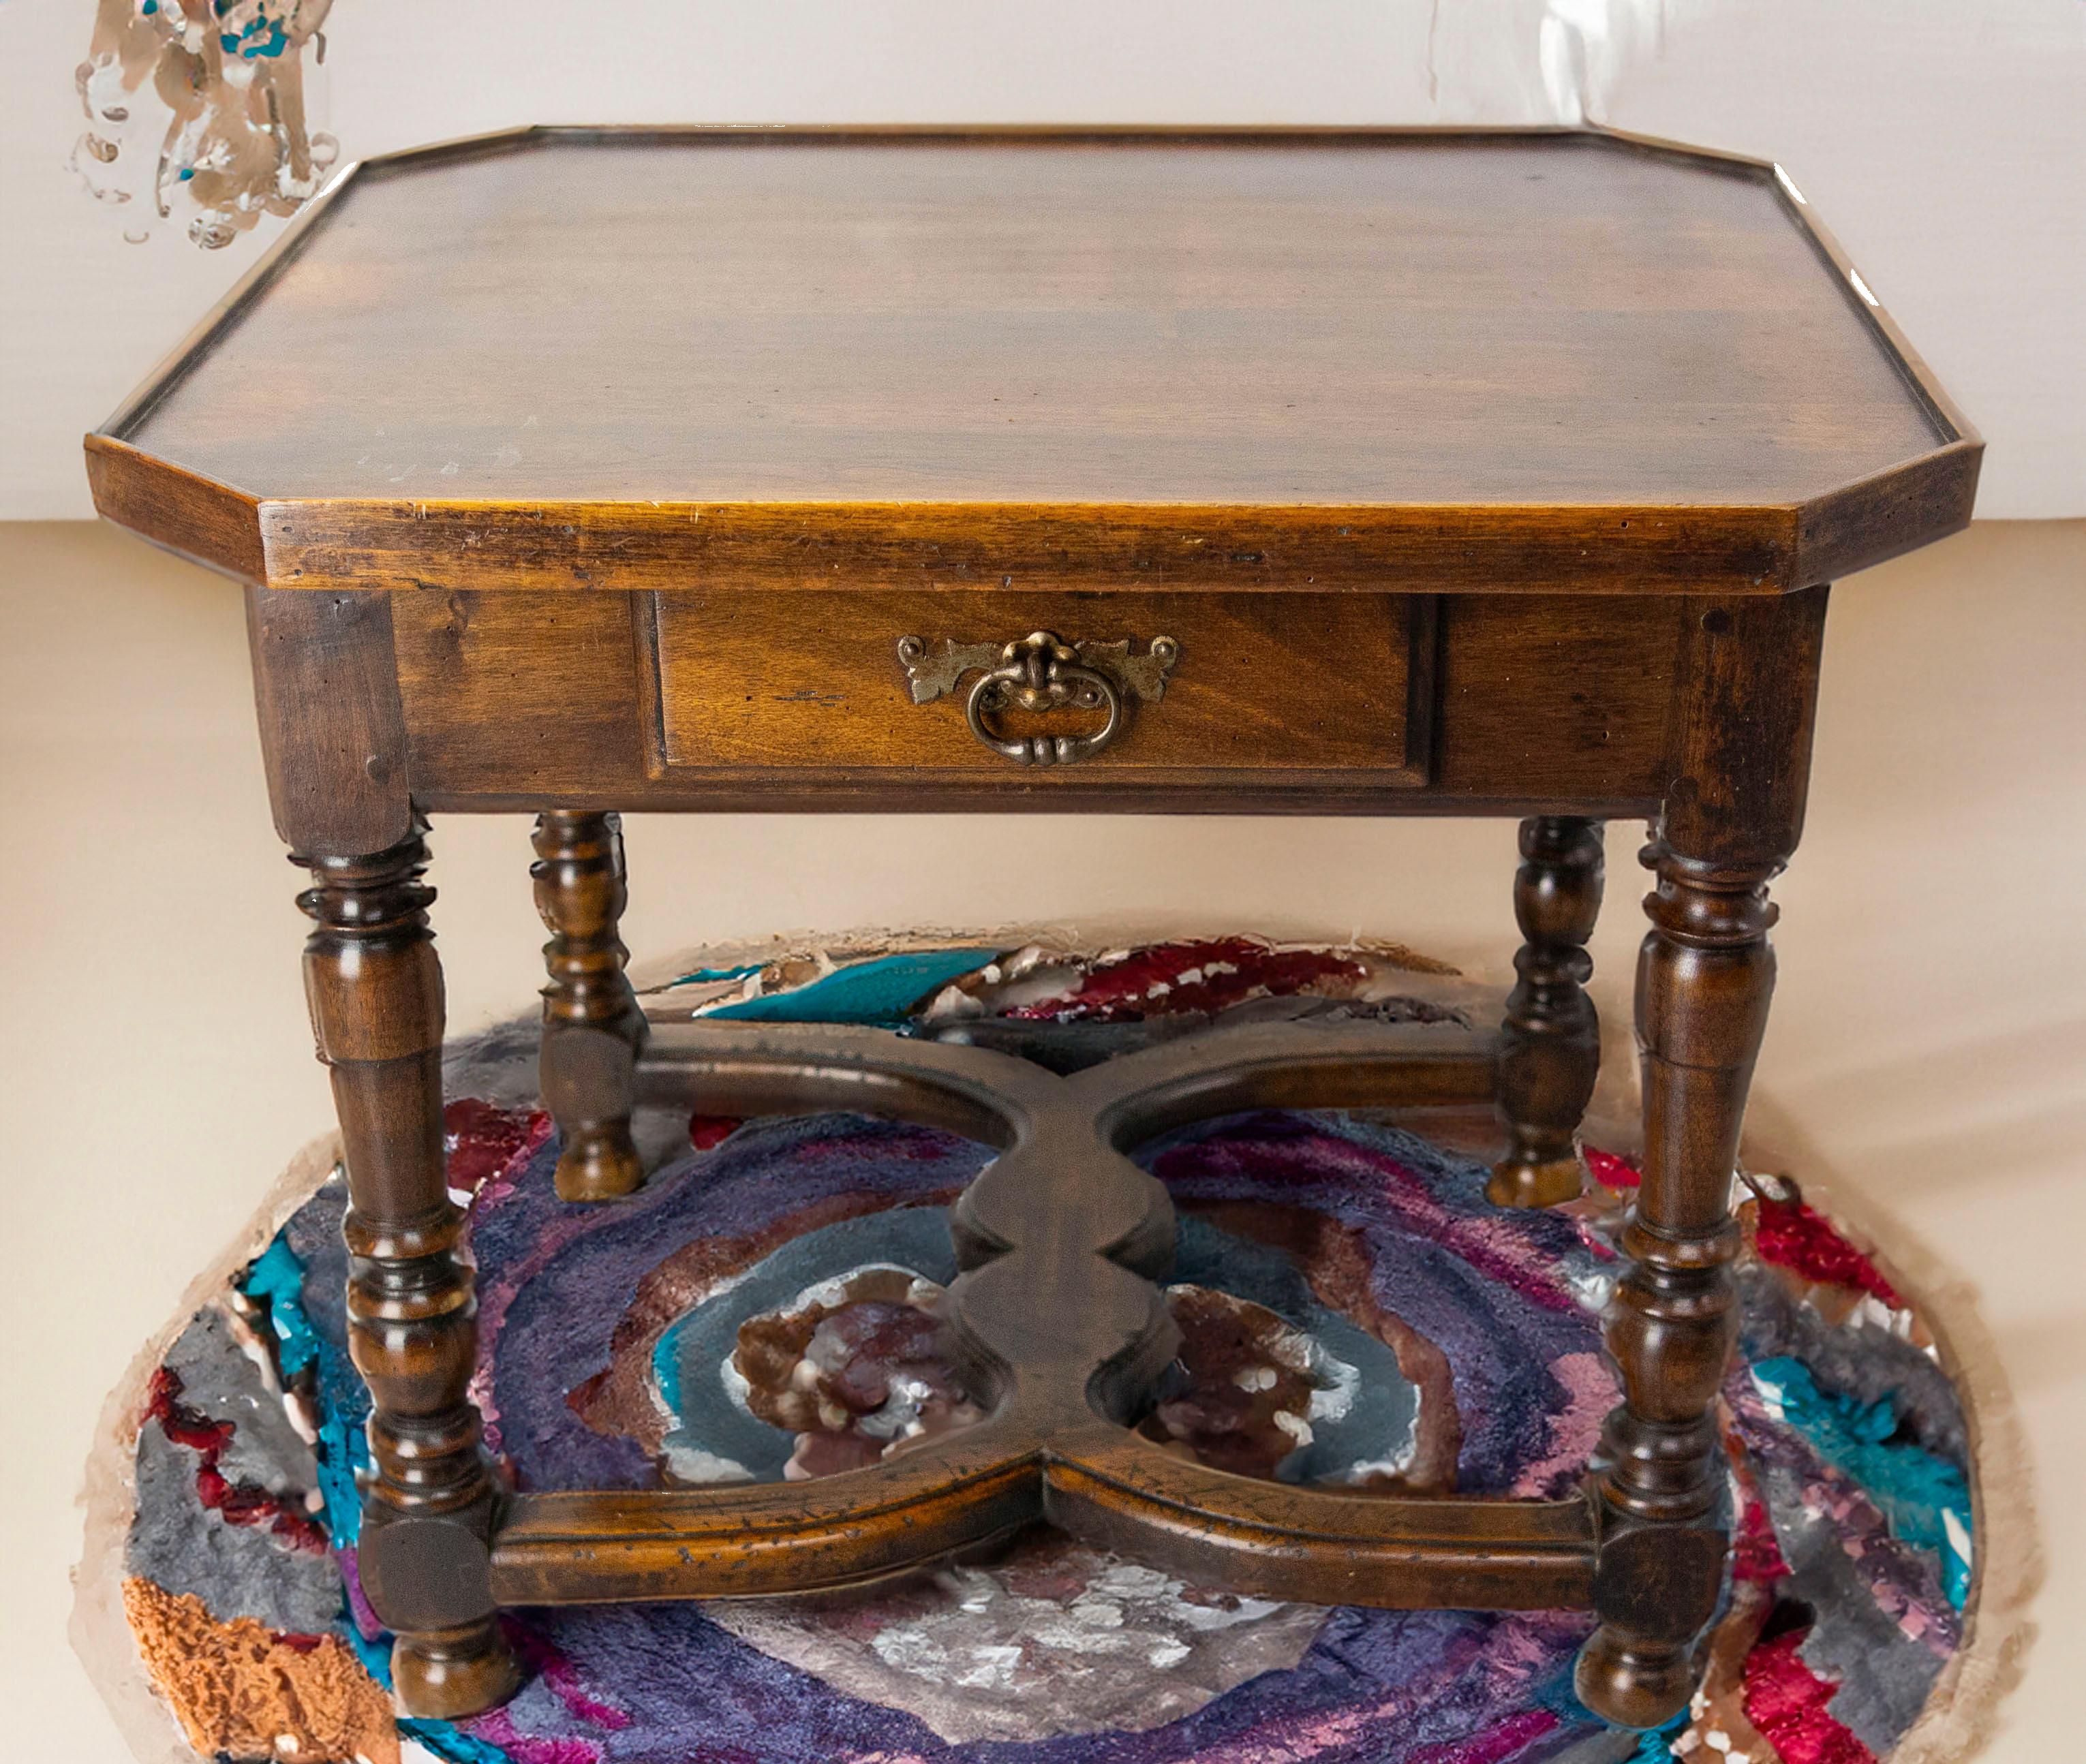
1040 673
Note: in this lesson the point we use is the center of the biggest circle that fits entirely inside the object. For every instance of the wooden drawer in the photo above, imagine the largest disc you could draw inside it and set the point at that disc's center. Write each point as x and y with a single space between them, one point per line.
1265 687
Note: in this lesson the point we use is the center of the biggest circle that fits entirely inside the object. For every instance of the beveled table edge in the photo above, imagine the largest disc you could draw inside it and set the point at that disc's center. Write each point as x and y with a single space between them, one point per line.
396 544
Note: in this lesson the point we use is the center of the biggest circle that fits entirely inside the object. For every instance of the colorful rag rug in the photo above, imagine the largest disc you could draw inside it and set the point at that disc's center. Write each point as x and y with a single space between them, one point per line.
1353 1312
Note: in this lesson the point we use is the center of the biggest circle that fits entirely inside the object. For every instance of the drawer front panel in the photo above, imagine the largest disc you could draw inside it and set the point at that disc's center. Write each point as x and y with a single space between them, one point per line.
1145 687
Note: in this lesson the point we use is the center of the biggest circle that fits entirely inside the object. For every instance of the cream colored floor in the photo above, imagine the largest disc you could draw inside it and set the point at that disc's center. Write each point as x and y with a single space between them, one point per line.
1928 1054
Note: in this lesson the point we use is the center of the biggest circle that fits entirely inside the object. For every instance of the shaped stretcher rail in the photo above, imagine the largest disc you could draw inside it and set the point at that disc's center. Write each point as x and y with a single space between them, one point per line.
1064 1333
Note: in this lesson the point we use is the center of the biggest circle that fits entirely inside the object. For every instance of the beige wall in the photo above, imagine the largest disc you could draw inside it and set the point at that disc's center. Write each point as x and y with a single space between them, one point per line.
1926 1057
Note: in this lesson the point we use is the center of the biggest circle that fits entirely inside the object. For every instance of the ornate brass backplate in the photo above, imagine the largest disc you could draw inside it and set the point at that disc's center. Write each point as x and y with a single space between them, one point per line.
1041 672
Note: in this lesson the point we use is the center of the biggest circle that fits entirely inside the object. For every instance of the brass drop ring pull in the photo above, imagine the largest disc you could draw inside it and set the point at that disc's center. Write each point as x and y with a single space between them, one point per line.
1042 671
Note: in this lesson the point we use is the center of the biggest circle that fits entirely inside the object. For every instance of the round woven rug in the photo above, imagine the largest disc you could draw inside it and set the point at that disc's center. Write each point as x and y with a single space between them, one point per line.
1353 1313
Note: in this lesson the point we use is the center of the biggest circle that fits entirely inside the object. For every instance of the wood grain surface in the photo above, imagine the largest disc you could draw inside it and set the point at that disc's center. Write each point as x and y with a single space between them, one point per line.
750 358
1324 681
1531 704
1061 1334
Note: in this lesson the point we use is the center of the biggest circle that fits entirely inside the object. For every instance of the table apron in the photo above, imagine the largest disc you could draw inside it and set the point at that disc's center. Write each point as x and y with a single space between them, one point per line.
1333 704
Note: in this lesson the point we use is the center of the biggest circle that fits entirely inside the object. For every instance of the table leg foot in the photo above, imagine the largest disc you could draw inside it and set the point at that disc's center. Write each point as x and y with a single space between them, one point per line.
1550 1044
450 1674
1633 1685
594 1027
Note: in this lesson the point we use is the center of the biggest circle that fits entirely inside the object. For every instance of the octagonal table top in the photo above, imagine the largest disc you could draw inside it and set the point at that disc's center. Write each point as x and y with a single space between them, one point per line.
1521 359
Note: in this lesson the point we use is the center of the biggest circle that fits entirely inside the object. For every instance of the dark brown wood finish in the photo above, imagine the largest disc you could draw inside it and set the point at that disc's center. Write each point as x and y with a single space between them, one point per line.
333 731
1516 704
1061 1211
1468 472
1072 360
1734 810
821 689
594 1030
1550 1048
376 994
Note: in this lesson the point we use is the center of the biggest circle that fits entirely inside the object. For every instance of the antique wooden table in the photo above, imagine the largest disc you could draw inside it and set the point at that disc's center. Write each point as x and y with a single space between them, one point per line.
1363 472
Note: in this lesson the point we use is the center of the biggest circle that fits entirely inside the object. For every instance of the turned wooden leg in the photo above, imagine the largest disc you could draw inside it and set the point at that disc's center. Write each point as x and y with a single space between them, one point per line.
1550 1044
594 1027
1704 978
375 989
1732 814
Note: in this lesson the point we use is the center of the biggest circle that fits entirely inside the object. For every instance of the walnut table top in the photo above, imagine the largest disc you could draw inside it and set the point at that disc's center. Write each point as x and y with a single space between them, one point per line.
780 358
